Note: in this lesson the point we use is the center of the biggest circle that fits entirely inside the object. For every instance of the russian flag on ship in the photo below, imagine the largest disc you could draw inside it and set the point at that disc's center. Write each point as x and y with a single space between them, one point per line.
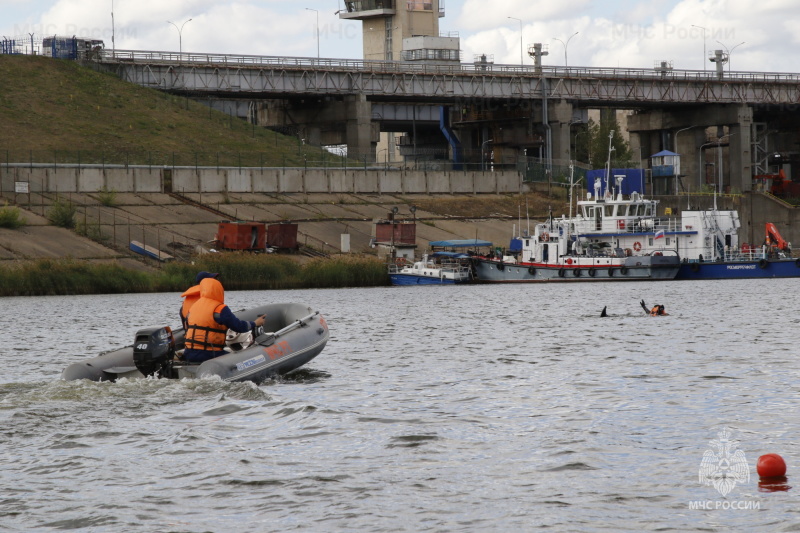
659 234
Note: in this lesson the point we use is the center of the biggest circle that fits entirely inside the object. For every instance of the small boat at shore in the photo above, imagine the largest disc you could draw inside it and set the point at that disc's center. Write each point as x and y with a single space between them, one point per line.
291 336
448 264
432 270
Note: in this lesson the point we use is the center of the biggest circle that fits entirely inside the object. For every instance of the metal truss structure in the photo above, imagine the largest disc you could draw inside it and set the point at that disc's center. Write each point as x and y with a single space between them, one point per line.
280 77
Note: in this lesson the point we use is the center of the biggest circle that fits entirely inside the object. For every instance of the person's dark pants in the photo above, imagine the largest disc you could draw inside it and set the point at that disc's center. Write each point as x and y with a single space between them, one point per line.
199 356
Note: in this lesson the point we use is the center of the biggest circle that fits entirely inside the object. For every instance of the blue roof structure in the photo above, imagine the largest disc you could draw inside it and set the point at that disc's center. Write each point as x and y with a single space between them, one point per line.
460 243
664 153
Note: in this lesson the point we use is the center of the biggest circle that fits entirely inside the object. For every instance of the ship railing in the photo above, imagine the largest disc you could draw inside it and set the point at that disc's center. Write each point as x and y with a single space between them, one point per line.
629 225
453 266
744 254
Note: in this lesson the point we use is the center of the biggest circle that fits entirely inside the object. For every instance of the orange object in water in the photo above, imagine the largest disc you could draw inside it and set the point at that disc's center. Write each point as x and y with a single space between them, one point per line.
771 465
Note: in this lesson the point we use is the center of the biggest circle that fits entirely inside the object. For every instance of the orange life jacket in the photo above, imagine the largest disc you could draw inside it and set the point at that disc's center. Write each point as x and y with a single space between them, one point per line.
203 332
190 296
654 311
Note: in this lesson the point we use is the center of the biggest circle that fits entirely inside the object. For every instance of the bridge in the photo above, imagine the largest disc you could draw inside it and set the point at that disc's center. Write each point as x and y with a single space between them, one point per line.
265 76
510 109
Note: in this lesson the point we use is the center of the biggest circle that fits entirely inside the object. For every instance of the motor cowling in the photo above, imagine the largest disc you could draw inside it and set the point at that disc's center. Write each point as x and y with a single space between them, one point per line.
153 350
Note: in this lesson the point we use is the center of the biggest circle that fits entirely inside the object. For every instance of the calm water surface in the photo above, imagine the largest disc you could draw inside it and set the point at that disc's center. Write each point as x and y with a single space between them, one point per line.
480 408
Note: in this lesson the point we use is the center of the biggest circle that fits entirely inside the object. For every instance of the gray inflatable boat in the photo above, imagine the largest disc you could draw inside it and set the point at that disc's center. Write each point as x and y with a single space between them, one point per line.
291 336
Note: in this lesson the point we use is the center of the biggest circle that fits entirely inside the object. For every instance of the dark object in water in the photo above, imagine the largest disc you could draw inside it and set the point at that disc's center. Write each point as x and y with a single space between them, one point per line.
603 312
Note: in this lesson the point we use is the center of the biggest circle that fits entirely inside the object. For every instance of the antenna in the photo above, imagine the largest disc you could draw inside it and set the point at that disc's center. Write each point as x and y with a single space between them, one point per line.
608 163
113 44
528 215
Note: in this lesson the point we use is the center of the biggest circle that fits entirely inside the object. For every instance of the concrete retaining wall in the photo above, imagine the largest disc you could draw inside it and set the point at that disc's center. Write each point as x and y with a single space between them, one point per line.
268 180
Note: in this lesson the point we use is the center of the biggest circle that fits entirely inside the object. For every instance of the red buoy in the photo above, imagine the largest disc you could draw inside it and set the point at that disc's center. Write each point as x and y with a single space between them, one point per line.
771 465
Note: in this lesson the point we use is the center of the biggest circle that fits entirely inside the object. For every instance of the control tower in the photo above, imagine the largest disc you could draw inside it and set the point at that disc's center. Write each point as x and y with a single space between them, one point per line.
407 31
386 23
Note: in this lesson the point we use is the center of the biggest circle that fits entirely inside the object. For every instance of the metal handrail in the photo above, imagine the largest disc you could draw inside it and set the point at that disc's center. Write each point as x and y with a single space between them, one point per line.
235 60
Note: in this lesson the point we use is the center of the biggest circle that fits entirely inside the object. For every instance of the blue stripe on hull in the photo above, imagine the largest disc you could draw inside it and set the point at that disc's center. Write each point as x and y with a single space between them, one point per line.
740 270
404 279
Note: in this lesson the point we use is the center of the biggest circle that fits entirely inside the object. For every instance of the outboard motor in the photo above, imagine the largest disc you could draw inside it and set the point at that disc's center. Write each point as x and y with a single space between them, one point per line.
153 350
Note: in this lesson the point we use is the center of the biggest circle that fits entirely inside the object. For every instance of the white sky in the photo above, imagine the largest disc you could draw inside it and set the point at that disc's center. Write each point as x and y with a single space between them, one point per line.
613 33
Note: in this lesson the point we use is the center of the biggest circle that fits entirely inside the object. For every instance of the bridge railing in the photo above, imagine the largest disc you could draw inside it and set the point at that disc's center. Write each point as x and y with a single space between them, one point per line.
374 66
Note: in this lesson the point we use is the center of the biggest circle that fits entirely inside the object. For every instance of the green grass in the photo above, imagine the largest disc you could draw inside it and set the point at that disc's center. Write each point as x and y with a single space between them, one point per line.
237 272
58 112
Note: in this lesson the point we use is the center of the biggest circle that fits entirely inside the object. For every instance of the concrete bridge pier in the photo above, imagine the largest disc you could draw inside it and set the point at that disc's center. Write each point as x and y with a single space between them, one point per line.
325 122
560 114
360 134
702 136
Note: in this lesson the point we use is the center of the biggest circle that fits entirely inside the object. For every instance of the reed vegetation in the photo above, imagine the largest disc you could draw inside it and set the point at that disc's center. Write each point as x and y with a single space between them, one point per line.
70 276
236 271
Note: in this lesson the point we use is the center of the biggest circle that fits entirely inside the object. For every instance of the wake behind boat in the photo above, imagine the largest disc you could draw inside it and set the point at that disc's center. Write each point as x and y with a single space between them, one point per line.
291 336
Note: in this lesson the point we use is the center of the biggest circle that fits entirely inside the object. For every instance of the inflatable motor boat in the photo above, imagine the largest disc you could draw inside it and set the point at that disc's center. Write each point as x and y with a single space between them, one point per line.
291 336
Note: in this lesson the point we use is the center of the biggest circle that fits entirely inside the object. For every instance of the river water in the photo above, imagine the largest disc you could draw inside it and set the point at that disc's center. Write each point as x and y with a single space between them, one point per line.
462 408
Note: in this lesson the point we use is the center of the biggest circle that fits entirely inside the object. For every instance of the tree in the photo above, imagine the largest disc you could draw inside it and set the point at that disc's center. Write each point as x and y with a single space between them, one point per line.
591 145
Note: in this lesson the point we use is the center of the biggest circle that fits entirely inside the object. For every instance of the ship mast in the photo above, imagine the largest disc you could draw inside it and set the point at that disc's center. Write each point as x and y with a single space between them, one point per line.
608 164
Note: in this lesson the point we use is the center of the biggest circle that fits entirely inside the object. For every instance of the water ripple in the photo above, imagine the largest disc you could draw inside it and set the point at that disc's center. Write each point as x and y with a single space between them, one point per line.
493 409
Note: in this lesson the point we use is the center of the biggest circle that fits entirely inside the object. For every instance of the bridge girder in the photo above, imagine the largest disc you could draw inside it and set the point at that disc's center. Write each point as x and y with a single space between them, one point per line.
618 91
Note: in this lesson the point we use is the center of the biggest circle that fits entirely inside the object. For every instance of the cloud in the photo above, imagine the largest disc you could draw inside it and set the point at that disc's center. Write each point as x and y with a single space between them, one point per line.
210 26
675 35
480 15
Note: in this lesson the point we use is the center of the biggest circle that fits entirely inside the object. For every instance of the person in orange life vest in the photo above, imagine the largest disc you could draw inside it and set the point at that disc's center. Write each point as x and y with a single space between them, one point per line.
209 320
658 310
192 294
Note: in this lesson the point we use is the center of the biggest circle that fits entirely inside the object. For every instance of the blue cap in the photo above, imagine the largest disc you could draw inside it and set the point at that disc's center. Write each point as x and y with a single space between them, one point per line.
203 275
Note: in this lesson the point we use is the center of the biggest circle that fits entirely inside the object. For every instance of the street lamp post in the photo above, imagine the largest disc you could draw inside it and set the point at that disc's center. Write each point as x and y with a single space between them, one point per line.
704 44
676 151
483 148
729 52
566 63
701 172
180 34
521 62
317 12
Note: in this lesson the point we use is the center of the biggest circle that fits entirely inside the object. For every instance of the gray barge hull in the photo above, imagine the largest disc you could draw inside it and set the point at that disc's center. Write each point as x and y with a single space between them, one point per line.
644 268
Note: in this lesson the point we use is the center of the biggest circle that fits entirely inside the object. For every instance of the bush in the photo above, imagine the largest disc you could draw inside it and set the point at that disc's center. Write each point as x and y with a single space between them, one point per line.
107 198
91 231
62 214
10 217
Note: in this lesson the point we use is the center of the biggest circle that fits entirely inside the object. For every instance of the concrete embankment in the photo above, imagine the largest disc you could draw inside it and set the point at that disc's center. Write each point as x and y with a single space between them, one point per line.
180 224
115 206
